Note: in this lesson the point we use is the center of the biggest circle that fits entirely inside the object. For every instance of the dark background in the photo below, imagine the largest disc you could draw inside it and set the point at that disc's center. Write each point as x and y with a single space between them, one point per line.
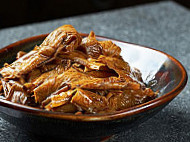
18 12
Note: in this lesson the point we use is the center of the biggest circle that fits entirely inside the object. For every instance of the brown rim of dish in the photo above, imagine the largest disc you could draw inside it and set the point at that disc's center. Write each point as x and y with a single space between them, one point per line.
97 117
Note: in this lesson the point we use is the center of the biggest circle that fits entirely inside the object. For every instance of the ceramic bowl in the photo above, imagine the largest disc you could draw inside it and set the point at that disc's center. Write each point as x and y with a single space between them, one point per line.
159 70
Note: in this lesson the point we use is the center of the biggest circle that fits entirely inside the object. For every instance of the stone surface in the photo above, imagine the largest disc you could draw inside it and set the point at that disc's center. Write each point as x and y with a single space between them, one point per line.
164 26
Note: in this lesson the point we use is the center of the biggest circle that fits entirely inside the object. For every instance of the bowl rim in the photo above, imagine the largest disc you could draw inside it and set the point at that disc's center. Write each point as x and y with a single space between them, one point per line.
98 117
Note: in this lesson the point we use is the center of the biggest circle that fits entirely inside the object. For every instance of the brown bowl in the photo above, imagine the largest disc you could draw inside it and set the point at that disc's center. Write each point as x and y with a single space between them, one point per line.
160 71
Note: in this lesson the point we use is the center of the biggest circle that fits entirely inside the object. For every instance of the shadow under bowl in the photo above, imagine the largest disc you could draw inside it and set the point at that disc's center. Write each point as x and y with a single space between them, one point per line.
160 71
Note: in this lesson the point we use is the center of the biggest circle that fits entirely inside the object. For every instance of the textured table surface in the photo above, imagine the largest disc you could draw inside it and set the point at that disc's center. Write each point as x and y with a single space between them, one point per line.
164 26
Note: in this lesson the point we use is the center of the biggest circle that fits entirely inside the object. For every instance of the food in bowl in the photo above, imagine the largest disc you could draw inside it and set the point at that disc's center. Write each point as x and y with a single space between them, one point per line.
71 74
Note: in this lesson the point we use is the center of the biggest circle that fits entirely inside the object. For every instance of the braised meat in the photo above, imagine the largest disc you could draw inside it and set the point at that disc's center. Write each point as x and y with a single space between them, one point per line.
71 74
89 101
91 47
110 49
65 38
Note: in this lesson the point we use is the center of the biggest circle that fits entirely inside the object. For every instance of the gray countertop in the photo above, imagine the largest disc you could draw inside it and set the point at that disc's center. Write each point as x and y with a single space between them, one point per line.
164 26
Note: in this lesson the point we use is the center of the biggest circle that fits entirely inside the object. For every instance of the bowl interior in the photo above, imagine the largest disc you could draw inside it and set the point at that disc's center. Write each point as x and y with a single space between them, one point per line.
159 71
